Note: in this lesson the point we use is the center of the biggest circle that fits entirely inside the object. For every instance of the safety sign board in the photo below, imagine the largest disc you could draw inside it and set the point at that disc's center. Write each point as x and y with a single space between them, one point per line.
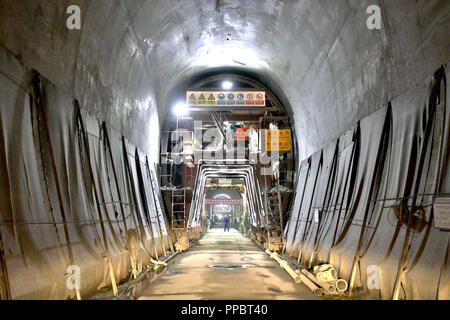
221 201
226 98
441 208
241 134
222 210
278 140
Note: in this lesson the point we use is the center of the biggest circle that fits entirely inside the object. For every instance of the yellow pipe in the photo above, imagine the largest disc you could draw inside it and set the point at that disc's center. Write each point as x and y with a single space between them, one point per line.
285 266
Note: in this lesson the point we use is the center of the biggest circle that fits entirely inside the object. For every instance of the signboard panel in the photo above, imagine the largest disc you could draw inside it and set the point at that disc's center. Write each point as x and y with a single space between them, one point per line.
222 210
441 208
224 181
241 134
215 201
278 140
226 98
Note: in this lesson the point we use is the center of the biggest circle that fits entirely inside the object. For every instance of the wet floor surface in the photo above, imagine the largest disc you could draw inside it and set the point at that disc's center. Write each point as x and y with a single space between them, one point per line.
225 265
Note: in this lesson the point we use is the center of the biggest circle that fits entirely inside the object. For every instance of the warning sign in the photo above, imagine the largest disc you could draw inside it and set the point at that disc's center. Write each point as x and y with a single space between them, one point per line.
192 99
226 98
241 134
201 99
211 100
278 140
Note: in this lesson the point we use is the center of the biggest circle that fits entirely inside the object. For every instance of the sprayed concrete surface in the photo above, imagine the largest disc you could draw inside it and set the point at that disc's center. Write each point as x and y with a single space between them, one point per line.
190 276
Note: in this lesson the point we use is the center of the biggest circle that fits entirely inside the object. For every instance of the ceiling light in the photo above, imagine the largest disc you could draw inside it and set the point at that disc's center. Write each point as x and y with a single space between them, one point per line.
227 85
180 109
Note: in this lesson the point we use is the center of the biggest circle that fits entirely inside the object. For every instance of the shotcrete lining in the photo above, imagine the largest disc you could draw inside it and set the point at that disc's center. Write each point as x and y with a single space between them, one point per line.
129 54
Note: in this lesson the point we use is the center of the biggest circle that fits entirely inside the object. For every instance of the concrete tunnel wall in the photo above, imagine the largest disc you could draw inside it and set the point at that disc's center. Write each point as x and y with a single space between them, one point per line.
129 54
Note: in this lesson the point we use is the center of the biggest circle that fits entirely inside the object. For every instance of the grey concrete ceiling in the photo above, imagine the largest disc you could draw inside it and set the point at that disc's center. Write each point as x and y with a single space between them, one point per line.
319 55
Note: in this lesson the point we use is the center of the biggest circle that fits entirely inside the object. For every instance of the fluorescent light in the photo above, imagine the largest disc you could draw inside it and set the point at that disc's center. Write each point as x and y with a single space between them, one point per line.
227 85
181 109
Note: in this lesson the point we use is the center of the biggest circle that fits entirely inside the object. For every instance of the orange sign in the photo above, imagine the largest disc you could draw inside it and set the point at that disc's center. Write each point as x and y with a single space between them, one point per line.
278 140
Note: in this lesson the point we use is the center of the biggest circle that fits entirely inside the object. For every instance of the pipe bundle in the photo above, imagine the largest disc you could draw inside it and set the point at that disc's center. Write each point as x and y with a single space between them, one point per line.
325 276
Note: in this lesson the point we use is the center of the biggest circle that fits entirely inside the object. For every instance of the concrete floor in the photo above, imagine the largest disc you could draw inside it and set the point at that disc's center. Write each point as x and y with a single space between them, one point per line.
190 277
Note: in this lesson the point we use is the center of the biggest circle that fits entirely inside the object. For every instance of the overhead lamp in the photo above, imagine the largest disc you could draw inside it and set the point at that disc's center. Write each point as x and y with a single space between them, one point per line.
227 85
181 109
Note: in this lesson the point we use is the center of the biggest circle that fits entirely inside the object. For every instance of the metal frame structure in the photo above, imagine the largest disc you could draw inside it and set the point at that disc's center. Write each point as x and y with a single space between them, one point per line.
245 171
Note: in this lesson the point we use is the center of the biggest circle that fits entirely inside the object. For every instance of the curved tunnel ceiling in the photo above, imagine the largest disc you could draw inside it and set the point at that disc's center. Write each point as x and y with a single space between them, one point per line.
129 55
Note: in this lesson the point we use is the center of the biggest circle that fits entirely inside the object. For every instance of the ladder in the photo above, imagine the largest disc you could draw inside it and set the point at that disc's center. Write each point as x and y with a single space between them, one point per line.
274 209
178 208
157 198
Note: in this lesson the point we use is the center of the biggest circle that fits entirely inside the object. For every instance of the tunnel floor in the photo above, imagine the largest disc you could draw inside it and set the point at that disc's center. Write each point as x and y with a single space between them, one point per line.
225 266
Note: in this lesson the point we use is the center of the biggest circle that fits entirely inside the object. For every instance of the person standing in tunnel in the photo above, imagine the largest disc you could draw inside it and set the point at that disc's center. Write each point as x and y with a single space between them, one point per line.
227 224
208 223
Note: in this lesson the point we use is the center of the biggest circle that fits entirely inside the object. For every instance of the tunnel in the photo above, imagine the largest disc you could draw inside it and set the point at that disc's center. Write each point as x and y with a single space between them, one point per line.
224 149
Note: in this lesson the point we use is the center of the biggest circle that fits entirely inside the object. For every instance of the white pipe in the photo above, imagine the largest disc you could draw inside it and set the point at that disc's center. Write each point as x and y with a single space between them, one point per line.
341 285
298 278
330 288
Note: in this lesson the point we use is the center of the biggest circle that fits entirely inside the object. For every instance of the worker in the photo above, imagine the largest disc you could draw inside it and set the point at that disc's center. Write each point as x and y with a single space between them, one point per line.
227 224
208 223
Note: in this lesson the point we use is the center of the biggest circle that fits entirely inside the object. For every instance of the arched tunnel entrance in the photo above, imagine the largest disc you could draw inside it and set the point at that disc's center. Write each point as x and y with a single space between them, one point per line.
229 127
134 132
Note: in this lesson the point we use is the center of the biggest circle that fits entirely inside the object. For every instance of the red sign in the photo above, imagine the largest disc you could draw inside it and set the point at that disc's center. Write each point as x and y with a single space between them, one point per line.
241 134
215 201
222 211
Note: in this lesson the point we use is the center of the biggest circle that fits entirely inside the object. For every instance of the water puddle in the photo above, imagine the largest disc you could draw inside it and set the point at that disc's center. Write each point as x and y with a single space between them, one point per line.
172 272
232 266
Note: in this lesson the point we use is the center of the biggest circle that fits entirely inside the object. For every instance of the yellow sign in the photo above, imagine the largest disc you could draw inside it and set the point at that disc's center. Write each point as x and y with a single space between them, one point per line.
278 140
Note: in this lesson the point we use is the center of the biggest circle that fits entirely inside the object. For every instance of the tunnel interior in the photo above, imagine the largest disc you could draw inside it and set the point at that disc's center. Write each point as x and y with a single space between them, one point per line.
129 129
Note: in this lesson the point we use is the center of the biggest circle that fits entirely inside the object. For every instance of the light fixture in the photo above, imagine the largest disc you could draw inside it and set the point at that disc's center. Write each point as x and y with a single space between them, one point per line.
227 85
180 109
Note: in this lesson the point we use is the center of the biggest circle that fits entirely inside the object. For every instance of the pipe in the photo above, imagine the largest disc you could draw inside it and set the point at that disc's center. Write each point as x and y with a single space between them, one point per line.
311 285
328 287
298 278
285 266
341 285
